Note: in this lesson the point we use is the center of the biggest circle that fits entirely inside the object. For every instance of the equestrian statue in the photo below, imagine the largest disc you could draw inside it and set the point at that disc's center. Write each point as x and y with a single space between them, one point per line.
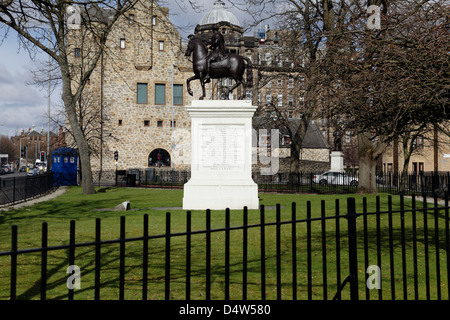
217 64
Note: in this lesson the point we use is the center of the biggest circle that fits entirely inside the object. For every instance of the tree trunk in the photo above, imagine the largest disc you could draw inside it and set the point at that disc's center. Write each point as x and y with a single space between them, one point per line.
407 152
294 164
87 182
296 146
368 154
367 180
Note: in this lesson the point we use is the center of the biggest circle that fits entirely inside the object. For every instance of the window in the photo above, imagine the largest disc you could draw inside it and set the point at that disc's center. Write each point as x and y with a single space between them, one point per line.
160 93
291 100
389 167
77 52
248 95
280 99
120 122
131 18
178 94
146 123
122 43
286 140
418 142
269 84
280 61
419 166
159 123
161 45
173 123
264 139
291 83
347 136
142 93
302 82
268 98
154 21
280 83
268 58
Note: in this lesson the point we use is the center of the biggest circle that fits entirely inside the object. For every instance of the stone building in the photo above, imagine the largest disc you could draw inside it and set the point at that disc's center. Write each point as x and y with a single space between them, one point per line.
138 92
429 151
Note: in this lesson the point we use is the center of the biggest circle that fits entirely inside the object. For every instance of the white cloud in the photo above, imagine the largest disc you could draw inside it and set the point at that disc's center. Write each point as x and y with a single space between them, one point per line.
21 105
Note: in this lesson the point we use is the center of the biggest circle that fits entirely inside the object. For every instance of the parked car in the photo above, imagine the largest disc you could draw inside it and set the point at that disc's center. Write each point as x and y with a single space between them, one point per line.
2 171
9 168
33 172
23 169
339 178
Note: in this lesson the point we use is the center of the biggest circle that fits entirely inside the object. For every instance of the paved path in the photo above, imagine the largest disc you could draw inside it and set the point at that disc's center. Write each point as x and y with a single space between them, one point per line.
48 196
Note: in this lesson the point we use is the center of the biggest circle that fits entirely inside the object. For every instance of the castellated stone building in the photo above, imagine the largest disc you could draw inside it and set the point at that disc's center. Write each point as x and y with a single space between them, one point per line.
139 86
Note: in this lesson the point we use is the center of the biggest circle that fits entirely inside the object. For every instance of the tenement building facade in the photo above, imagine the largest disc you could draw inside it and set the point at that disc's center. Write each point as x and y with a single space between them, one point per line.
139 90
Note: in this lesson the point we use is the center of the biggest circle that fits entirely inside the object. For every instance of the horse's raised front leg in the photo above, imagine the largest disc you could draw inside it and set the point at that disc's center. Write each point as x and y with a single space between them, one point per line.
188 84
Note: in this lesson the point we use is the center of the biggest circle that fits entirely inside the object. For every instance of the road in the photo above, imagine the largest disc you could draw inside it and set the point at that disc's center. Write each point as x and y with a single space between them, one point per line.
12 175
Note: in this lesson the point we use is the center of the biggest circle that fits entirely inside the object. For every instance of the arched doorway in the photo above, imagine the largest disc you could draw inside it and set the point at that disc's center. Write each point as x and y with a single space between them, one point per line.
159 158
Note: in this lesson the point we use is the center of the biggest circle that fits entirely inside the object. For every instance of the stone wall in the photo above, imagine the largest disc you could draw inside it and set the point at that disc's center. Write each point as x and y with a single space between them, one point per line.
144 49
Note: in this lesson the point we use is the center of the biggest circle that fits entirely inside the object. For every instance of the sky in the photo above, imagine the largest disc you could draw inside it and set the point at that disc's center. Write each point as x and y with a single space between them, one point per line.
23 105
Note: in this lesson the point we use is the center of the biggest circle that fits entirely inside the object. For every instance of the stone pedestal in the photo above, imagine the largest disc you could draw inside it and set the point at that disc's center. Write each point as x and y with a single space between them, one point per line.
221 164
337 161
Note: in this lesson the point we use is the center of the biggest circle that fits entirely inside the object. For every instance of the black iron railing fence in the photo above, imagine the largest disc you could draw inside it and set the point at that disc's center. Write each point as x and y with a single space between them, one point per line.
312 256
430 183
20 188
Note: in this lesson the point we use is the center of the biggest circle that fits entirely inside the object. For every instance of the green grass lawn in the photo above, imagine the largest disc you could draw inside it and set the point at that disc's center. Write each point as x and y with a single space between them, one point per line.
75 206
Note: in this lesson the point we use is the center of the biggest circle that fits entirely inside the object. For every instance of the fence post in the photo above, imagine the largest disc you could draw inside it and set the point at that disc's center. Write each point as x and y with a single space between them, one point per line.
13 263
352 248
14 189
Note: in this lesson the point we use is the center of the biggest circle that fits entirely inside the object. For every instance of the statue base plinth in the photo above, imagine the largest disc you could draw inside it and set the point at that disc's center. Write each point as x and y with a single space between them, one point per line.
337 161
221 166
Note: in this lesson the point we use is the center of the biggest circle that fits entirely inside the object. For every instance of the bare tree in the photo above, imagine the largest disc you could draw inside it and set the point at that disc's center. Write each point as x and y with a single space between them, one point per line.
391 81
7 147
46 26
301 42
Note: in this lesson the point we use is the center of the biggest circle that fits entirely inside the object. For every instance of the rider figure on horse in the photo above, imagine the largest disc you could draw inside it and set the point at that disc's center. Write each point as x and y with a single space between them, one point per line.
218 51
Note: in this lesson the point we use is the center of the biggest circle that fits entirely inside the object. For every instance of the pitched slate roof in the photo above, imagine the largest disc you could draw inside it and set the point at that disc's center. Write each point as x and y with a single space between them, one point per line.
314 139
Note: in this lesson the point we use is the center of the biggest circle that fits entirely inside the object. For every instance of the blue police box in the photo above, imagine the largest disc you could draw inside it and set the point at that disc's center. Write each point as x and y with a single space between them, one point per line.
64 167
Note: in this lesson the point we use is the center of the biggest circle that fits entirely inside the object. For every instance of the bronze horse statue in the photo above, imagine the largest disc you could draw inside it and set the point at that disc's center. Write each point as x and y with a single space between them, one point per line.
233 66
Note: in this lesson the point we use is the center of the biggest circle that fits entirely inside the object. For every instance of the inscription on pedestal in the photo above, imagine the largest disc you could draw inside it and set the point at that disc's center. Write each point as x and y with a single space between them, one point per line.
222 146
221 167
